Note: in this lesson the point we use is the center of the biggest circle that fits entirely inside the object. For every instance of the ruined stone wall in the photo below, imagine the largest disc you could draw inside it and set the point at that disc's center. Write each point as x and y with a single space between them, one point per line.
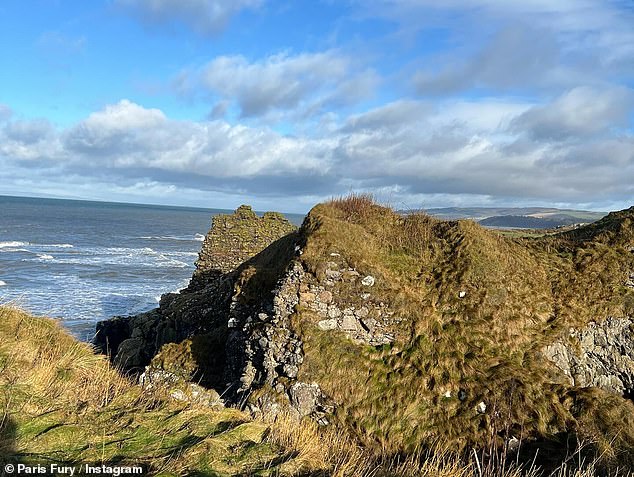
234 238
132 341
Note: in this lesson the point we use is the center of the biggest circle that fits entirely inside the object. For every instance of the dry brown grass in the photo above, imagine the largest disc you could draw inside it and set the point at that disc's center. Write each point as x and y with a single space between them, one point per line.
520 294
60 402
44 358
354 207
331 452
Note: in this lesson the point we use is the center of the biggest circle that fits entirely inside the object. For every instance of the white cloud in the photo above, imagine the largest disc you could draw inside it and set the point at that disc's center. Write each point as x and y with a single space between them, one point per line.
5 112
127 135
407 150
29 140
303 83
581 111
203 16
526 47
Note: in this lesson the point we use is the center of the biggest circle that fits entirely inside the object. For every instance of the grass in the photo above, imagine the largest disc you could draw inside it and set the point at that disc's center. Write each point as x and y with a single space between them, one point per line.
62 403
519 295
398 408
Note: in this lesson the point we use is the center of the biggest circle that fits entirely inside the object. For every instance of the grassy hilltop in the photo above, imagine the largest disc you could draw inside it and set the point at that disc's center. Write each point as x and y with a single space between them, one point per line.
63 403
476 310
470 312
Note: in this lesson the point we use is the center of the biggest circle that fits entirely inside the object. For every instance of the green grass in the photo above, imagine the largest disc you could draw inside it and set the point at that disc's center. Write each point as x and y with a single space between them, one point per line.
62 403
521 294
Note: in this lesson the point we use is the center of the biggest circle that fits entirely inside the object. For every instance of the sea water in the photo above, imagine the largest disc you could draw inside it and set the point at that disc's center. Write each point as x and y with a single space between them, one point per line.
82 262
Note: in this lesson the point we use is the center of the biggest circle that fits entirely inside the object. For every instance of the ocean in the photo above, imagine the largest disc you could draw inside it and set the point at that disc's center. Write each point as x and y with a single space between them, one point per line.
82 262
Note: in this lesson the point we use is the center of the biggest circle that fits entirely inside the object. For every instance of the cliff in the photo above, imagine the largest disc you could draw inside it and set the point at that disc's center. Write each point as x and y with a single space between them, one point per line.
406 331
232 239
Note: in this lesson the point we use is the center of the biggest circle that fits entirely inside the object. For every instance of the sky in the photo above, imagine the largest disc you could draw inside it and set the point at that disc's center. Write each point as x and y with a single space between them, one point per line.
283 104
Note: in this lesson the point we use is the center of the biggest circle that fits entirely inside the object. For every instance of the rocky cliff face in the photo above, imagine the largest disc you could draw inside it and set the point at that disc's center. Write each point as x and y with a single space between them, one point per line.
205 304
404 330
599 354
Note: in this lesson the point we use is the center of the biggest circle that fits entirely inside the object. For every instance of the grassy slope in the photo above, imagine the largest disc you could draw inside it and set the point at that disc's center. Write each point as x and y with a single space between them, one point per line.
62 403
520 295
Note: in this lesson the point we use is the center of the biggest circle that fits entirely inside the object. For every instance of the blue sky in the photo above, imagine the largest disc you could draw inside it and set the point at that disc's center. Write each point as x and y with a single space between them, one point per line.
282 104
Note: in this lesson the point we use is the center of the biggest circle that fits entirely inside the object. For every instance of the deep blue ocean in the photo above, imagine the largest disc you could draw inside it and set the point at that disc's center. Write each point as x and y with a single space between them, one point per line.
84 261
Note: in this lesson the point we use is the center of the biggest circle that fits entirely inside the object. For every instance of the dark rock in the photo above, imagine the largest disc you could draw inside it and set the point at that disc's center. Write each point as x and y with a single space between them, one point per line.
131 354
207 303
111 333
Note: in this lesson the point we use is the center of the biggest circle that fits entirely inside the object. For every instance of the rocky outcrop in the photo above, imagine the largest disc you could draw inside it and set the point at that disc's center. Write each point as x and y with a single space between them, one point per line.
204 305
600 354
367 322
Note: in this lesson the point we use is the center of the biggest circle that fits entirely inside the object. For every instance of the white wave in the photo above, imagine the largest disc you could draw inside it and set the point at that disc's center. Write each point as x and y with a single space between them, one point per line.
175 238
45 256
3 283
182 254
12 244
115 256
59 245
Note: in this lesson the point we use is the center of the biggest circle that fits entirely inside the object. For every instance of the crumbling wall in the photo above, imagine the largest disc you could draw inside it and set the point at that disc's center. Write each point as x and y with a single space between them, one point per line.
234 238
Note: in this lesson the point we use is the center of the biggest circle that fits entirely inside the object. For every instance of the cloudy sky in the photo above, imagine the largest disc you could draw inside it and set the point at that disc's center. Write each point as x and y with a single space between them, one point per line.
282 103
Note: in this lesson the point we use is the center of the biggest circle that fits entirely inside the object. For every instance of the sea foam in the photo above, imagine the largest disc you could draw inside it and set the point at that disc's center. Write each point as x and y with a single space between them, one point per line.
13 244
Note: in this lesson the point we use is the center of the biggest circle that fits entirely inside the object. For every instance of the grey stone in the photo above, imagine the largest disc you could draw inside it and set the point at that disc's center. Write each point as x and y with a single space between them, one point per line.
369 323
368 281
349 324
305 398
600 354
290 370
334 311
327 325
362 312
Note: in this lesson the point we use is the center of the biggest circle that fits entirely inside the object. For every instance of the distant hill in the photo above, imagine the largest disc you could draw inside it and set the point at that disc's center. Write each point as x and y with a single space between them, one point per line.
526 222
518 217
